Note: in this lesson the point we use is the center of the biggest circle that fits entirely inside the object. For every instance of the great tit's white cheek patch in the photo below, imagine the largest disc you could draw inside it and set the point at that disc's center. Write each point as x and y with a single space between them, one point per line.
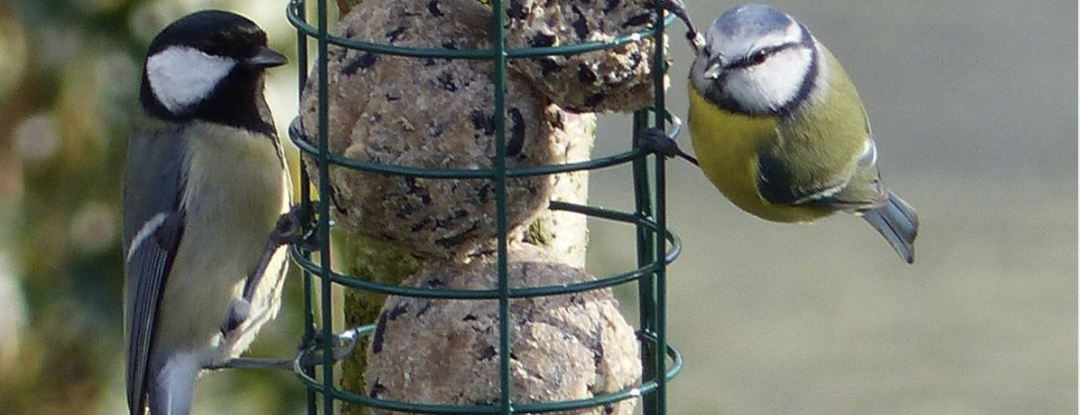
181 76
774 83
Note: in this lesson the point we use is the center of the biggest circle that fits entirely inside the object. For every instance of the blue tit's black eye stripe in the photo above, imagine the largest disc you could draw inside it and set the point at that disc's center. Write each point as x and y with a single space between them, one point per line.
807 40
812 71
759 56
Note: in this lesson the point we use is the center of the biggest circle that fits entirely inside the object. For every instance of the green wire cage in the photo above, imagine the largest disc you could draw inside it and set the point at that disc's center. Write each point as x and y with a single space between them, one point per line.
656 246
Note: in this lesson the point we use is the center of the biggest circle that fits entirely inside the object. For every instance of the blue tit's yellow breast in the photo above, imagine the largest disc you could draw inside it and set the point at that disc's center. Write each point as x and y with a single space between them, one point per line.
727 145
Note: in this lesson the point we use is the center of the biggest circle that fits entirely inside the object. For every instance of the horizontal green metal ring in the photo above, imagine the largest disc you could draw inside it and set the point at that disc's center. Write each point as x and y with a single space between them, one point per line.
420 172
300 141
491 294
646 388
292 13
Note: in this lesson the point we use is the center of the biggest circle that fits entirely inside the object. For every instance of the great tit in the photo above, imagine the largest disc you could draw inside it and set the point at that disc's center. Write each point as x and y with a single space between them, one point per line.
205 184
779 129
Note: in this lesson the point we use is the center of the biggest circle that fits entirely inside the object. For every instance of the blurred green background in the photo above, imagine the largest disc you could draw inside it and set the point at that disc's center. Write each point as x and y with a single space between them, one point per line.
975 113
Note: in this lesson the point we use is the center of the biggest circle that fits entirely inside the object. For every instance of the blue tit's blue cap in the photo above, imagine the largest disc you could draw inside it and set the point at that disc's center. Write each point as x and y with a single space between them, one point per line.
751 21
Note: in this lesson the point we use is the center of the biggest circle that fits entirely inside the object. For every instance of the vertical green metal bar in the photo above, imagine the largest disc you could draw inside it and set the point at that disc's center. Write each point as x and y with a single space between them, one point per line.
499 42
305 200
660 205
646 286
660 289
324 213
642 208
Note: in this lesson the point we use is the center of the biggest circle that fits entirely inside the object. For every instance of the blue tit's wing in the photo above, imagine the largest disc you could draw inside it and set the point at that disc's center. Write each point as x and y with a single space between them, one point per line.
778 183
153 227
851 188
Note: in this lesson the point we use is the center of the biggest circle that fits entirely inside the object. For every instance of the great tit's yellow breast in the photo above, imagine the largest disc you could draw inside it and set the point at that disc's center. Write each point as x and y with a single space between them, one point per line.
727 145
236 189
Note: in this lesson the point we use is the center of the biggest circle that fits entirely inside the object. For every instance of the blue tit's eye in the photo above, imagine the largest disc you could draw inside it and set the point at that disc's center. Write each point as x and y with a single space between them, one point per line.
758 57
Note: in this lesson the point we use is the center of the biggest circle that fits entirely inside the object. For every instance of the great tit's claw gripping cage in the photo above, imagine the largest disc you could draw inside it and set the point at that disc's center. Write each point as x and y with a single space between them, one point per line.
656 246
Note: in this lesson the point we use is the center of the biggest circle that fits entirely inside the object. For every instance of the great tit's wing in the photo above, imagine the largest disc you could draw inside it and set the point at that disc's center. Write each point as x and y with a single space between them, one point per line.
153 227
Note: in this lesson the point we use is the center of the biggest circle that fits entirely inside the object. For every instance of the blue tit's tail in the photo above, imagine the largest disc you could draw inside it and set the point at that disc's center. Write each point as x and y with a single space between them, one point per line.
897 222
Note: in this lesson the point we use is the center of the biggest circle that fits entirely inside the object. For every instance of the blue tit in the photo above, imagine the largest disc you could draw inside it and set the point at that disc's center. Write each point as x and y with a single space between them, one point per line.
205 184
779 129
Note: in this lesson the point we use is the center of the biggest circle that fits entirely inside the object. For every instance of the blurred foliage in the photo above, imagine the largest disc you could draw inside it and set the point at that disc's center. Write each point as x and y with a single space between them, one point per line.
68 94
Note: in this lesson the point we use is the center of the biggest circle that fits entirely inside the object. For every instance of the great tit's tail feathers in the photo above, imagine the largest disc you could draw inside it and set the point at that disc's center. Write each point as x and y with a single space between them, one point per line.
171 384
897 222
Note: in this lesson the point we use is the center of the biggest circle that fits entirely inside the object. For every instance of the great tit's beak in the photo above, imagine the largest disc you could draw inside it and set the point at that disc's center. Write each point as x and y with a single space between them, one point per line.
714 67
266 58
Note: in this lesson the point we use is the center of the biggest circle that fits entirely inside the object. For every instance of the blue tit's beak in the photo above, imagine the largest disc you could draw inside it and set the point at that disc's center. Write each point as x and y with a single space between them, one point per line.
714 68
265 58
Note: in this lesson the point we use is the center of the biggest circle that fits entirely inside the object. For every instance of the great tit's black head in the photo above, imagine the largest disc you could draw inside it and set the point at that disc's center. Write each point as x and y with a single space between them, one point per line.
209 65
756 60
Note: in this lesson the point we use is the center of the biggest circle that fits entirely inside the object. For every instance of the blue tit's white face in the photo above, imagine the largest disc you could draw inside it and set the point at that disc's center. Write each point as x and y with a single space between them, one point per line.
181 76
756 60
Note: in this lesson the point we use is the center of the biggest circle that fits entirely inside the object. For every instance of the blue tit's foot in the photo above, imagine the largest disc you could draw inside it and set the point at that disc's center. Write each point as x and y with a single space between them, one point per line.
657 141
678 8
